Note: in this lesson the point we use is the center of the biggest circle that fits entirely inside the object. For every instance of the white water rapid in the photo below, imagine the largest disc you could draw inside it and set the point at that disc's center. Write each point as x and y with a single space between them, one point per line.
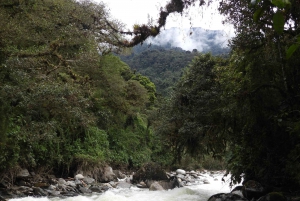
197 192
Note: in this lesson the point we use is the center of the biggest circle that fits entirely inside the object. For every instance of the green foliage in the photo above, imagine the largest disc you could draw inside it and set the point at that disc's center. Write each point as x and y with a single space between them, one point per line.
61 101
163 66
190 122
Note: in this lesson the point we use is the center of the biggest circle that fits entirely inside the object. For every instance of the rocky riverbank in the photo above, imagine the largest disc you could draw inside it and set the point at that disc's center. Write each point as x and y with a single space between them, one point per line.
149 176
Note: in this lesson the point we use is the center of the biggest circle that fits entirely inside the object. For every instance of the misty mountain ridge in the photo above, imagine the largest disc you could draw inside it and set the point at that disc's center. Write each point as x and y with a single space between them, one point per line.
194 38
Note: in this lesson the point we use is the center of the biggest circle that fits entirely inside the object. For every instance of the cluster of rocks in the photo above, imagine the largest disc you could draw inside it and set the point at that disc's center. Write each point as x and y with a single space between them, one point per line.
31 184
252 191
154 177
150 176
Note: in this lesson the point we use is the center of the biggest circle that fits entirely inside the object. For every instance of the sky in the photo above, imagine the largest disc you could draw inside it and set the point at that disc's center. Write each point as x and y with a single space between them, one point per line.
132 12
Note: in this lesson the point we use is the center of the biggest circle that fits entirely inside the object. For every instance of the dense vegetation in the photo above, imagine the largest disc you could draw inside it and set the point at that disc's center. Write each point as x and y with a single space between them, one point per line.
245 109
164 65
64 106
66 103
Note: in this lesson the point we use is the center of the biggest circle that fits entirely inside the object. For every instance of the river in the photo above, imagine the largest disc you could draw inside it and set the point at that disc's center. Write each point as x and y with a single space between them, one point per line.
196 192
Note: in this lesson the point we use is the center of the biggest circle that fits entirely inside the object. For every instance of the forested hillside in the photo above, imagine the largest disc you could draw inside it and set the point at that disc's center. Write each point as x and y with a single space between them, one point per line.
63 106
163 64
67 103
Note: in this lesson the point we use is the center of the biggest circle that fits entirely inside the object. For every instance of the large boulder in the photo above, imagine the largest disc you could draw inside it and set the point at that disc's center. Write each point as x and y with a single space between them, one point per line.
23 173
252 190
180 171
155 186
226 197
108 175
150 171
273 196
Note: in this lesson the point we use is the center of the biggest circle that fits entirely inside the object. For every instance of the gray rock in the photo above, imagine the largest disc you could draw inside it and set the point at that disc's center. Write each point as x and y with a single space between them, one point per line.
84 190
142 185
180 171
39 192
53 192
77 182
226 197
107 185
23 173
123 184
252 189
88 180
150 171
119 174
62 181
52 188
156 187
79 176
96 189
71 183
205 181
108 175
61 187
181 176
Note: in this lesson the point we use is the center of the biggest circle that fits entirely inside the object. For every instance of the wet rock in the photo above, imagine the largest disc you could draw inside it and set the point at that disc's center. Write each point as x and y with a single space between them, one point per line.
84 190
142 185
238 190
150 171
106 186
96 189
79 177
123 184
77 182
108 175
169 184
252 189
273 196
39 192
180 171
88 180
52 188
23 173
226 197
53 193
205 181
181 176
71 183
69 194
41 185
119 174
62 181
156 187
2 198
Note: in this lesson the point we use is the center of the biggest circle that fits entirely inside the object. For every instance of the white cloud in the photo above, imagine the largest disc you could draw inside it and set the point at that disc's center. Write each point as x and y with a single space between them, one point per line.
131 12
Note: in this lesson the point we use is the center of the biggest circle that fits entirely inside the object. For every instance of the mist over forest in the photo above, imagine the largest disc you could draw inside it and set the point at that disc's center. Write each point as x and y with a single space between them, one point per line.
203 40
182 99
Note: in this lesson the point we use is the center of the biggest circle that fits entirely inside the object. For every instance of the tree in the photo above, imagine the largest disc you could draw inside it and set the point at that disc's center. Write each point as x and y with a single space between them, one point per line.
260 103
191 123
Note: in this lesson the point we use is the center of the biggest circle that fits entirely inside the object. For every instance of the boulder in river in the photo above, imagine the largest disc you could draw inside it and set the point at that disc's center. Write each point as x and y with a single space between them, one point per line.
252 189
108 175
155 186
150 171
226 197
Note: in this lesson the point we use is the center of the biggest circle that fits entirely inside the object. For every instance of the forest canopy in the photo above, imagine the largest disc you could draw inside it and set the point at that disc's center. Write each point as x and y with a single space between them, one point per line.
66 103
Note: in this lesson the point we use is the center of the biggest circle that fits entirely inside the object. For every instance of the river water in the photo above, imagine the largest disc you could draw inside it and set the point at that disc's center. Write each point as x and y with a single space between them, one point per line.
196 192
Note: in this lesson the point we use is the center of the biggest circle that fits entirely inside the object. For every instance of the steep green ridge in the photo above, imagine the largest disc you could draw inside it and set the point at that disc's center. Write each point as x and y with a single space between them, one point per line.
63 106
162 64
